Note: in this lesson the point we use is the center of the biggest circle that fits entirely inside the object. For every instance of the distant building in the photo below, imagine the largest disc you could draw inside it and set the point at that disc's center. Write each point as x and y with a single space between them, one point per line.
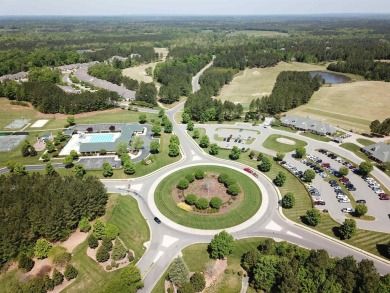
379 152
307 124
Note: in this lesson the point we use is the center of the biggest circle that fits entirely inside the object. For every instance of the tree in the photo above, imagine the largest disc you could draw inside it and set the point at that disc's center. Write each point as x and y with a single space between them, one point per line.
112 231
84 225
10 165
50 146
360 210
92 241
234 189
300 152
174 139
68 161
71 121
279 156
190 177
348 229
74 154
196 134
214 149
375 126
265 165
309 175
265 272
107 169
45 157
198 282
161 113
178 273
199 174
57 277
24 262
183 184
19 169
42 248
185 118
365 168
252 154
32 151
121 148
49 169
221 245
204 141
367 277
259 157
280 179
216 202
128 167
173 150
129 280
344 171
313 217
191 199
235 153
154 147
156 129
70 272
190 126
99 229
25 149
202 203
138 143
102 254
79 170
168 127
142 118
288 200
118 251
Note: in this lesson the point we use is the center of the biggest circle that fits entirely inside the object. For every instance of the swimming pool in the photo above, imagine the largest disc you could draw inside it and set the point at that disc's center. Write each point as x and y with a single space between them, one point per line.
101 137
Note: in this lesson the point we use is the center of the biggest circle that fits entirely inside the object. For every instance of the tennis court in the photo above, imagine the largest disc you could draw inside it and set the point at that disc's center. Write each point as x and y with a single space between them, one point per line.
9 142
17 124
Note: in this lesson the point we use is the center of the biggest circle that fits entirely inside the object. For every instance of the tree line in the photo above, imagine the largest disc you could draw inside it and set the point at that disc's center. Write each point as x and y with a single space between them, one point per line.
380 128
35 206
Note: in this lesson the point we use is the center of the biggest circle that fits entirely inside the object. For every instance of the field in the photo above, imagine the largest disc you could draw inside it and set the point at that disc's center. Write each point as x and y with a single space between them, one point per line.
138 72
258 82
350 105
316 136
365 142
271 143
253 33
237 214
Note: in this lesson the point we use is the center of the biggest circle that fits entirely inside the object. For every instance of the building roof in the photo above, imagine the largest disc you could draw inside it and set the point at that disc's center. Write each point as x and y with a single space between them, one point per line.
380 151
308 124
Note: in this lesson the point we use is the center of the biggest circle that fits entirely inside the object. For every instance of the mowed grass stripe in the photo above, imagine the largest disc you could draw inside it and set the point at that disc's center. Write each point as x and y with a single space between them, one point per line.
338 116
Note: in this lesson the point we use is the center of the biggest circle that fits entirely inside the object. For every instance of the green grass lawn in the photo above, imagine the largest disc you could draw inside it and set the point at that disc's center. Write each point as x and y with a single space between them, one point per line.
355 149
123 212
284 128
364 141
247 208
271 143
316 136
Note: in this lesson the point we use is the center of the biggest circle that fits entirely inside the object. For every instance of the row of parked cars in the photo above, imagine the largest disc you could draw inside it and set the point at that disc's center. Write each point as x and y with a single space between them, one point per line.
292 168
340 194
376 188
316 195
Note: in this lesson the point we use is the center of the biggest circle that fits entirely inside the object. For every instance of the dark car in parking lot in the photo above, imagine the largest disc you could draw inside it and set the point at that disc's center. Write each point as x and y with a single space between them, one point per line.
318 202
361 201
337 174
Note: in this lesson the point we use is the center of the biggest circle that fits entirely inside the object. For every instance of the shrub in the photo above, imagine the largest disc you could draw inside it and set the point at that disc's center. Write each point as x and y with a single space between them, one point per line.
118 251
216 203
230 181
184 206
183 184
49 283
178 272
114 264
99 229
202 203
313 217
223 177
62 259
265 165
348 229
26 263
280 179
70 272
92 241
360 210
57 277
108 267
233 189
199 174
107 244
84 225
309 175
130 256
102 254
288 200
300 152
42 248
112 231
190 177
102 152
191 199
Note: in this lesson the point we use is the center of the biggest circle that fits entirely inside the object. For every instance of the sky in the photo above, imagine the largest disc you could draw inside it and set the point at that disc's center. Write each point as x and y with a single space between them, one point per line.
190 7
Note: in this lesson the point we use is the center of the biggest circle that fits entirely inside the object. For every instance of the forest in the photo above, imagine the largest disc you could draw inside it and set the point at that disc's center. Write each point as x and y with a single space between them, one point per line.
287 268
35 206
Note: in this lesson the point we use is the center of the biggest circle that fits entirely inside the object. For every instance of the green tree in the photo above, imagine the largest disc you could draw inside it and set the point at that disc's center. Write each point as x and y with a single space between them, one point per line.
309 175
252 154
32 151
161 113
190 126
196 134
234 189
74 154
99 229
50 146
300 152
128 167
154 147
71 121
68 161
288 200
221 245
199 174
45 157
202 203
156 129
57 277
70 272
183 184
179 272
265 272
174 139
137 143
235 153
313 217
259 157
49 169
344 171
24 262
122 148
279 156
102 254
204 141
198 282
168 127
19 169
118 251
214 149
375 126
367 277
360 210
79 170
142 118
92 241
173 150
365 168
112 231
216 202
42 248
280 179
10 165
185 118
191 199
84 225
190 177
348 229
107 169
25 150
265 165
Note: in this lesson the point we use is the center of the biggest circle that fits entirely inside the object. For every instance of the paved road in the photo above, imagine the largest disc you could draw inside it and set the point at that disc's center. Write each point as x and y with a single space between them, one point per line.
195 79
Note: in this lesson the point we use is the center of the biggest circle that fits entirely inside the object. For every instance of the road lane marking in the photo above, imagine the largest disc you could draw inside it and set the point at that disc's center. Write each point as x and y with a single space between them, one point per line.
159 254
168 240
136 187
120 186
293 234
196 158
273 226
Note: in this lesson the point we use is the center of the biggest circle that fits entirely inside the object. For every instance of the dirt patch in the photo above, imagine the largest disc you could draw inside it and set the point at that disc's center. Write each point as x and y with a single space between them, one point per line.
286 141
219 267
74 240
209 187
81 115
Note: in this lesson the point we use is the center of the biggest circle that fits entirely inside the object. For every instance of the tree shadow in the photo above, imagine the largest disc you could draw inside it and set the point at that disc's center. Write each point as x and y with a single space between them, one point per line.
383 250
336 232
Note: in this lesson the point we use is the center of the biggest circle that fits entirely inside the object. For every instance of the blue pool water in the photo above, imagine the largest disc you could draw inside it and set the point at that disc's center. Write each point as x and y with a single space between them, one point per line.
102 137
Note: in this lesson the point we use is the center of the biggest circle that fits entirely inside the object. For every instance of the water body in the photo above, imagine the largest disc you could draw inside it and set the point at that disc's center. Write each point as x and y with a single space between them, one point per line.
331 78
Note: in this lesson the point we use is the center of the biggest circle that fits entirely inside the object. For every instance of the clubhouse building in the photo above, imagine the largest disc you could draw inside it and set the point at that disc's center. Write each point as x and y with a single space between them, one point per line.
307 124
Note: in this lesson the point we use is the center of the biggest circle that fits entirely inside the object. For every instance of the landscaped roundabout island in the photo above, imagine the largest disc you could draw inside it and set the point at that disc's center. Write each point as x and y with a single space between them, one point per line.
208 197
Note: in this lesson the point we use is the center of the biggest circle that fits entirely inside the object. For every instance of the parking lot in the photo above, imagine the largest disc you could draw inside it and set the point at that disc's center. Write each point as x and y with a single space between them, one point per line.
94 163
239 137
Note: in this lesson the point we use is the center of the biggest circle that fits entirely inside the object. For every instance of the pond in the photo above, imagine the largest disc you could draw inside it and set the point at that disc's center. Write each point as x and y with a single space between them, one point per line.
331 78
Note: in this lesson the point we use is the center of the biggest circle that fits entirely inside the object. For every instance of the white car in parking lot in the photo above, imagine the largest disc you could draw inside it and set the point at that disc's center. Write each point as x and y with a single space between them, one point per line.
341 196
344 200
347 210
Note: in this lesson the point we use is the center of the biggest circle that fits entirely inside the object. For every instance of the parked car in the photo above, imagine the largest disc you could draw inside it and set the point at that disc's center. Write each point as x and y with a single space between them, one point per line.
157 220
385 197
344 179
224 139
319 202
347 210
341 196
363 201
344 200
